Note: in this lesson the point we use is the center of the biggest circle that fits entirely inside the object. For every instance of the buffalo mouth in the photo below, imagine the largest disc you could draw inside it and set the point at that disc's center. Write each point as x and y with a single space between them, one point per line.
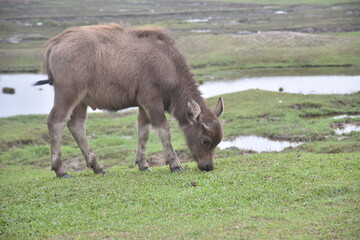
203 167
207 167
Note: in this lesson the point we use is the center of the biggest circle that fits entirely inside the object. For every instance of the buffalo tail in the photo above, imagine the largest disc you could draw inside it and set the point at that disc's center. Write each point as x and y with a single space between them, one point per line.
42 82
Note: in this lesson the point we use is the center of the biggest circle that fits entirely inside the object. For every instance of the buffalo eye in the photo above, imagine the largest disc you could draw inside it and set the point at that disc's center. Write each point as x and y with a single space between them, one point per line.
206 142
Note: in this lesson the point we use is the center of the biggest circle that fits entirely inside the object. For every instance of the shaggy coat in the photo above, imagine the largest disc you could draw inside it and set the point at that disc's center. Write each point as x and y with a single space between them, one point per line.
111 67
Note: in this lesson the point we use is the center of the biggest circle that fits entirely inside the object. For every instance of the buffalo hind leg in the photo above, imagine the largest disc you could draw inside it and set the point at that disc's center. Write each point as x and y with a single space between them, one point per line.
76 125
143 136
56 121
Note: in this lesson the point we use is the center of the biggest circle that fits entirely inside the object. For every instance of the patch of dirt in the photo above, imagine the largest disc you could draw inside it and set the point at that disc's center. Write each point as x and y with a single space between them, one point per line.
270 118
158 159
155 160
305 105
17 143
75 164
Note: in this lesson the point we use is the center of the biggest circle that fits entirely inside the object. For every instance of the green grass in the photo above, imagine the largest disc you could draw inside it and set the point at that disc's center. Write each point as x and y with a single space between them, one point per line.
268 50
261 196
349 34
113 135
302 193
285 116
265 50
308 192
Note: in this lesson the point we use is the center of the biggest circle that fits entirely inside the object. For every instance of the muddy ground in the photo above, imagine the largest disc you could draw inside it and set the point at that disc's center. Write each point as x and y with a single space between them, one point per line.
154 160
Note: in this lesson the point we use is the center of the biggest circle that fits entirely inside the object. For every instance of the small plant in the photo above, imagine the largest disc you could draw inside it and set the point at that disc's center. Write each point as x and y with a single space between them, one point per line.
8 90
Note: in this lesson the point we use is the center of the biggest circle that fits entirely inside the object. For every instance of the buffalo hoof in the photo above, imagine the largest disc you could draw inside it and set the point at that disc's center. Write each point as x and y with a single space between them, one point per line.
177 169
146 170
66 176
102 172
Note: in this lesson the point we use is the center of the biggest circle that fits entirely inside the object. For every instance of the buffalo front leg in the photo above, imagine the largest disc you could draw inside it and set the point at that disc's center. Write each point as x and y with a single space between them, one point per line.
163 132
143 136
154 110
76 125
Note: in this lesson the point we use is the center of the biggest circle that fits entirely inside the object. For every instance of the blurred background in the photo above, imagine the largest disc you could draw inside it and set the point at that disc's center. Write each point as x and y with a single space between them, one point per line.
200 27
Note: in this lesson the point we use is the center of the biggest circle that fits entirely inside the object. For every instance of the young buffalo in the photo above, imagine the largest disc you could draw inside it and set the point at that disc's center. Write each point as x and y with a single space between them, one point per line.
111 67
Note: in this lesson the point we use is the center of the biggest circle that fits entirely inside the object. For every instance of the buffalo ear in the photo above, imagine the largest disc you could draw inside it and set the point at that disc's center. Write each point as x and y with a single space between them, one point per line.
219 107
193 112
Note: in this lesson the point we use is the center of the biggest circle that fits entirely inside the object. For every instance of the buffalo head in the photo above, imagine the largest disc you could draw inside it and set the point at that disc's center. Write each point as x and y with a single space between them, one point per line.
203 133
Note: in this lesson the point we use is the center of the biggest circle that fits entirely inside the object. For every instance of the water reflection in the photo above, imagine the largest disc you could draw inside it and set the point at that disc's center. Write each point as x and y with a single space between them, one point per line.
258 144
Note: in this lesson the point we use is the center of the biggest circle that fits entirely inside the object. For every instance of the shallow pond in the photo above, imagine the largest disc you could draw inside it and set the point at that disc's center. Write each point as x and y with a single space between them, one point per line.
258 144
27 99
38 100
289 84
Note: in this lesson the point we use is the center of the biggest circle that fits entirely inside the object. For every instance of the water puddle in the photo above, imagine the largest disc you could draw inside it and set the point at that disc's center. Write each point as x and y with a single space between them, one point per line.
333 116
39 100
345 128
201 31
198 20
341 128
258 144
345 116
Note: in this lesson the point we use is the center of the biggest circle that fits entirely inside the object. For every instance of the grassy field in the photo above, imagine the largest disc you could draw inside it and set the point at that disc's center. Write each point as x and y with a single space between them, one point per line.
113 135
218 56
221 55
305 192
261 196
308 192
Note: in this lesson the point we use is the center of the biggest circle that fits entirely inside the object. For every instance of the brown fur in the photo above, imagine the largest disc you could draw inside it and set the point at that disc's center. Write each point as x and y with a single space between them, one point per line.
111 67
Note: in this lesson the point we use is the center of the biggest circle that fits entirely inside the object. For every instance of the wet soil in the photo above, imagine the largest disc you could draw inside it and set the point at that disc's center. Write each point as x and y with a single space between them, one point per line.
346 127
158 159
75 164
155 160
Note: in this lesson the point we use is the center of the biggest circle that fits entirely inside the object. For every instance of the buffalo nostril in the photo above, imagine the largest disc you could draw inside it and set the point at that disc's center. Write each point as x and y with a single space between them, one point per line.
209 168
